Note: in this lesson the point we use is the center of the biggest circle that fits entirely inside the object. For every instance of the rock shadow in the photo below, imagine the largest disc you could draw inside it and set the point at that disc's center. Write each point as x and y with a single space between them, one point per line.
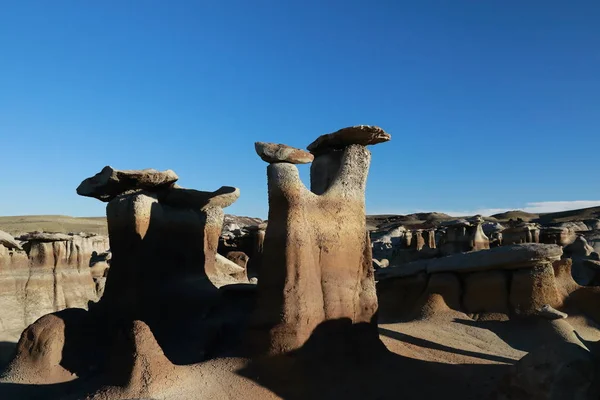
525 334
345 360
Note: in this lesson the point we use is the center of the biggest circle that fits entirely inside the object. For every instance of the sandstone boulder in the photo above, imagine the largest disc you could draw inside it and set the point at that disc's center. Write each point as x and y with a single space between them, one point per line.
521 232
562 236
533 288
238 257
226 272
110 182
8 241
549 312
274 153
362 134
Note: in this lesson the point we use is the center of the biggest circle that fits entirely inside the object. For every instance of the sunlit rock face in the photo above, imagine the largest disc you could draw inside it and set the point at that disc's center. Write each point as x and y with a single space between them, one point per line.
317 263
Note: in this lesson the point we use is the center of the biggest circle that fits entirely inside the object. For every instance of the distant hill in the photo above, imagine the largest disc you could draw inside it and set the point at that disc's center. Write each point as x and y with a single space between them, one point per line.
426 220
515 214
53 223
65 224
571 215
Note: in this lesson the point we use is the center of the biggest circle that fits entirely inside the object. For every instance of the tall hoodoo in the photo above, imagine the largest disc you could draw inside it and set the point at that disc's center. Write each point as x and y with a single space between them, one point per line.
317 263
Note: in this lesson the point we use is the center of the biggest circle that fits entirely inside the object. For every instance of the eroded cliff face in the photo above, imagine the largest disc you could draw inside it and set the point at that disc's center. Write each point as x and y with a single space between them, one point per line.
47 275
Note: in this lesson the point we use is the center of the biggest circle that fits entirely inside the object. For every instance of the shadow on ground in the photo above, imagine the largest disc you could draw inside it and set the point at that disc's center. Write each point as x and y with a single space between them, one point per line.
342 360
7 351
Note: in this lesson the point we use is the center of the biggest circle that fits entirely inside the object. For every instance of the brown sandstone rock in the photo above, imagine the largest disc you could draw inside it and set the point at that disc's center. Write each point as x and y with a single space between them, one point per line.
110 182
448 286
317 256
463 236
238 257
140 370
8 241
551 313
42 354
361 134
561 236
274 153
45 237
533 288
397 297
226 272
486 292
521 232
49 276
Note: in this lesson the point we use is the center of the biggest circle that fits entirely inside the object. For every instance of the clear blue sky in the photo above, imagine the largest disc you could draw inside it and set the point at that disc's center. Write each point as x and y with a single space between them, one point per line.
491 104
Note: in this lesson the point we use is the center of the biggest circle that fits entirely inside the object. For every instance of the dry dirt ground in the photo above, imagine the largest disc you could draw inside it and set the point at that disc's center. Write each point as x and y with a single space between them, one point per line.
448 355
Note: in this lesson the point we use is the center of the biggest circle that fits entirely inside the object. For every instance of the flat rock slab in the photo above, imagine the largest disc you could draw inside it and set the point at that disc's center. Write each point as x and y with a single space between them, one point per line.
45 237
505 257
360 134
190 198
8 241
274 153
110 182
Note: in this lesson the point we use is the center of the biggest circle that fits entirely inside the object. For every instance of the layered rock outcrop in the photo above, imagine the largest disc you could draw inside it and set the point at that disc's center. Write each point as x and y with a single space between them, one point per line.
515 280
51 272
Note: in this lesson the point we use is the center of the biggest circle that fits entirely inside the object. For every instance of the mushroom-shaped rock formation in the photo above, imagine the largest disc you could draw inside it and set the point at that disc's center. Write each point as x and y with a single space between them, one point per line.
362 134
274 153
163 264
317 263
521 232
462 236
164 248
110 182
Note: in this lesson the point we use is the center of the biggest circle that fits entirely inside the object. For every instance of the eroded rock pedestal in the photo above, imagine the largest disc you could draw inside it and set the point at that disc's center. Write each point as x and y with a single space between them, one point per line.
164 273
317 263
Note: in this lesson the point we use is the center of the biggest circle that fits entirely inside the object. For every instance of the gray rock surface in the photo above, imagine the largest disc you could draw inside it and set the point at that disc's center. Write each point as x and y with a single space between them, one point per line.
549 312
273 153
8 241
360 134
505 257
110 182
45 237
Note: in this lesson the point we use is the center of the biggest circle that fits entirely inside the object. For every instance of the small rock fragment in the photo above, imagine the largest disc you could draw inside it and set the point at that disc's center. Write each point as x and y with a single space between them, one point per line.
551 313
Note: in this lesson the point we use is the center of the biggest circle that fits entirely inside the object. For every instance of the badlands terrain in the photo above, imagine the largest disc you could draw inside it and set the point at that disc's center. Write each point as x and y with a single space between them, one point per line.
168 297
